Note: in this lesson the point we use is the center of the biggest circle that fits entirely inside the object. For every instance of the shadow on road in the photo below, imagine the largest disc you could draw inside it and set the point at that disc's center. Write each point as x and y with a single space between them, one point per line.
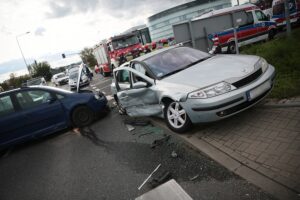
90 134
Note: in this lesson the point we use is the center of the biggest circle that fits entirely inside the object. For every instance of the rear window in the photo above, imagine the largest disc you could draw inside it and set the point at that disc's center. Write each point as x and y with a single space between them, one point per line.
6 106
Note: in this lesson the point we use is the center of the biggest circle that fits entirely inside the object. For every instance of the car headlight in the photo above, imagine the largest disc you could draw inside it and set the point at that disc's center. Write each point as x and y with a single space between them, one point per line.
211 91
263 64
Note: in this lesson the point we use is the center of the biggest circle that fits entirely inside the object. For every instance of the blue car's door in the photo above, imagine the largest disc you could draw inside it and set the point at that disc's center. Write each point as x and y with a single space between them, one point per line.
11 121
42 111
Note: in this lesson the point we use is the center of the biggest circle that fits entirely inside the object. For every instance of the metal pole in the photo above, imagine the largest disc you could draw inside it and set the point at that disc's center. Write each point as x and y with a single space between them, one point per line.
21 50
287 17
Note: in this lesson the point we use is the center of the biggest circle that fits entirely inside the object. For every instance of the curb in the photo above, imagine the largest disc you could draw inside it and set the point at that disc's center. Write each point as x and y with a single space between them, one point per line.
268 185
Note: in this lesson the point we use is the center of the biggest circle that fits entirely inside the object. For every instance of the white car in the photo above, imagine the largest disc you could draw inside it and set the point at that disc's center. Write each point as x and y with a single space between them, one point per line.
185 85
59 79
73 76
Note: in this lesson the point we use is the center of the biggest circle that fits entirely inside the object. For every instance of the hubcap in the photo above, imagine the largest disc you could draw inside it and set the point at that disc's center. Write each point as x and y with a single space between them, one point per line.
176 115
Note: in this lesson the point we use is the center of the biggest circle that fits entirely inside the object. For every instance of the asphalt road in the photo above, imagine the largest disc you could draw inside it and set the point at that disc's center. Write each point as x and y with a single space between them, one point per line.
106 161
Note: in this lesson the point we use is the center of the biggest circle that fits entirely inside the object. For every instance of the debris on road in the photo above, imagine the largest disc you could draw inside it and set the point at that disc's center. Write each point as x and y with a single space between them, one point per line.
145 181
129 127
162 178
136 122
160 141
143 134
194 177
174 154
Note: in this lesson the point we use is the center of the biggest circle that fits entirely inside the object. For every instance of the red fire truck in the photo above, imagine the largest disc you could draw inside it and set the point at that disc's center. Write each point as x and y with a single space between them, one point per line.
108 53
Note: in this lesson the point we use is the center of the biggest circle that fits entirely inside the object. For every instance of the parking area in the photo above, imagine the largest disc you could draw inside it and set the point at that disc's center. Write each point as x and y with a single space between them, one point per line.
265 139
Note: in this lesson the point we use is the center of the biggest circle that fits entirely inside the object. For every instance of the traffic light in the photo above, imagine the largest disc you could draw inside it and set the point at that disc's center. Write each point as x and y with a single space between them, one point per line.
63 55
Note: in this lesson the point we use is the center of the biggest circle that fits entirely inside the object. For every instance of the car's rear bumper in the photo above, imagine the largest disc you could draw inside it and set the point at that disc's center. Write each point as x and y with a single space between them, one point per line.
226 105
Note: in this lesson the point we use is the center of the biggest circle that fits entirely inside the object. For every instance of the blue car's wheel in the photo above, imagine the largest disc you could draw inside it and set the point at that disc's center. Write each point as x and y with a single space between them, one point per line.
82 116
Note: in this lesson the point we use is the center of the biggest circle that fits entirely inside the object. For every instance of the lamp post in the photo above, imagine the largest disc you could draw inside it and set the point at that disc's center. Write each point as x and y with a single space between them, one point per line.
21 49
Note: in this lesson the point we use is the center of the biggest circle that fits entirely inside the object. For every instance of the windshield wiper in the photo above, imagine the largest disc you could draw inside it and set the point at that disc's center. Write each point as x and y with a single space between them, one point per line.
187 66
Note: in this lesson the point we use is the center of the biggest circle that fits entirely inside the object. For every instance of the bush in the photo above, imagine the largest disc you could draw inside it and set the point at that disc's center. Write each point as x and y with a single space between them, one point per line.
283 53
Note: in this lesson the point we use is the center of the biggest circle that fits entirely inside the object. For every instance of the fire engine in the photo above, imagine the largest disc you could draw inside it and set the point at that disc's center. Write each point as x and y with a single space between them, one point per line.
109 52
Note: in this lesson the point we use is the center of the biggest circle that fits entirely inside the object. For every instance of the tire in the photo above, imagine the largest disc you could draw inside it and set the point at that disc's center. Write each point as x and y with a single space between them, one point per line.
180 122
231 48
271 35
122 111
82 116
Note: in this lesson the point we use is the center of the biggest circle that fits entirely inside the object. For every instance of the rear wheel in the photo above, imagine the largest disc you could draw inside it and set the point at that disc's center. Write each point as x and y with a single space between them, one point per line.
82 116
231 48
176 117
271 35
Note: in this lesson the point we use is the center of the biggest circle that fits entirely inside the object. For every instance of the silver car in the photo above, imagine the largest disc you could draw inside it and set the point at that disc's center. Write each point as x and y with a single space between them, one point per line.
185 86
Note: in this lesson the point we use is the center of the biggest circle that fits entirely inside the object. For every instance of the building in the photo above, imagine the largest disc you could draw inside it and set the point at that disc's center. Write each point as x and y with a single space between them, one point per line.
160 24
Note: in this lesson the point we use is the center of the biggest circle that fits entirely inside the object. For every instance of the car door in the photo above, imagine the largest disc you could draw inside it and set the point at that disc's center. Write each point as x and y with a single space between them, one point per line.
247 31
137 92
42 111
11 121
261 23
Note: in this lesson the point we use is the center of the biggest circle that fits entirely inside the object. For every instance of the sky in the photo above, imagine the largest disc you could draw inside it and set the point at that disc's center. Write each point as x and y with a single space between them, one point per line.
65 26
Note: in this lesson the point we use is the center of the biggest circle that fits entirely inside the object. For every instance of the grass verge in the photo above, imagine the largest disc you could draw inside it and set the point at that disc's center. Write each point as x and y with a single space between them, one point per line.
284 54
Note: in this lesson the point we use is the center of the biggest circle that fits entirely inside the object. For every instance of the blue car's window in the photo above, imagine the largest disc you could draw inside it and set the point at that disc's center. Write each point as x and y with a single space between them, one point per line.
28 99
6 105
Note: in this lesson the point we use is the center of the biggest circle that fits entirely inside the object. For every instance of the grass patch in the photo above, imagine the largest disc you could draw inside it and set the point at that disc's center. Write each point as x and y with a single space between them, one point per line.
284 54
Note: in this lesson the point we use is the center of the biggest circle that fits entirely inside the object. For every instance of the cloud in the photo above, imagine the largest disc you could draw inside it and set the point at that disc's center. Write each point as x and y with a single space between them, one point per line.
39 31
63 8
124 9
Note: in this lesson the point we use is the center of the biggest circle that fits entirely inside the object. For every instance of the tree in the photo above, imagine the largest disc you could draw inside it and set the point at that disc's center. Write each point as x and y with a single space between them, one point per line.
42 69
88 57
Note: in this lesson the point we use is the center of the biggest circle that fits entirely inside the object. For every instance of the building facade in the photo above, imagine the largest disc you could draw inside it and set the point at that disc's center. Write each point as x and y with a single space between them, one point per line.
160 24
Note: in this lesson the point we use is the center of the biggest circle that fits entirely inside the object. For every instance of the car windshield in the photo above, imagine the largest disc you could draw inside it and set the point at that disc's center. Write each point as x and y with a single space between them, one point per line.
34 82
124 42
174 60
73 75
60 76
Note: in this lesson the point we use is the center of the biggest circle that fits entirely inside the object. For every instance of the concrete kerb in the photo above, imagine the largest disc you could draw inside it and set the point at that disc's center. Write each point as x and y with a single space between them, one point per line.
270 186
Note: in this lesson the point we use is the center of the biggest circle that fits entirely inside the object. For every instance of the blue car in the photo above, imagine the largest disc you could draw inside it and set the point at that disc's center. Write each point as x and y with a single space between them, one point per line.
35 111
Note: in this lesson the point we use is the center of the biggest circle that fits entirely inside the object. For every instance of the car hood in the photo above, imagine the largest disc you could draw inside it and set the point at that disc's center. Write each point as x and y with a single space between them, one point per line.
229 68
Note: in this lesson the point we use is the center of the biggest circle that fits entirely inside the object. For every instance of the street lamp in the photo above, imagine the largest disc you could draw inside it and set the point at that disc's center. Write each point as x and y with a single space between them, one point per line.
21 49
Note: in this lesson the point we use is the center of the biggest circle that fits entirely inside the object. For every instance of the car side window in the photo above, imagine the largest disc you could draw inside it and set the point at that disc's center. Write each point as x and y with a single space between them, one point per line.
261 16
140 68
29 99
123 79
6 106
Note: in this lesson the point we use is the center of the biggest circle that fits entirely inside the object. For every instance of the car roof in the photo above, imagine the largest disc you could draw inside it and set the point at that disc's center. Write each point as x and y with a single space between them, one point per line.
54 89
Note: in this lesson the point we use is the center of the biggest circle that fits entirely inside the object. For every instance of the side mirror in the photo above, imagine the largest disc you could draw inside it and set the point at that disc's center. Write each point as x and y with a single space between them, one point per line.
51 100
139 85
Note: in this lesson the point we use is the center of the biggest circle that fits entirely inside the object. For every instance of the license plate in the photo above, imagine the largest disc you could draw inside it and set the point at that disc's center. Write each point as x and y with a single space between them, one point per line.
252 94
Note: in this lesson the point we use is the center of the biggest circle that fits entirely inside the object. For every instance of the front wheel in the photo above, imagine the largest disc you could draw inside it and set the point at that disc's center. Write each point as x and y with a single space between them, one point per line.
82 116
176 117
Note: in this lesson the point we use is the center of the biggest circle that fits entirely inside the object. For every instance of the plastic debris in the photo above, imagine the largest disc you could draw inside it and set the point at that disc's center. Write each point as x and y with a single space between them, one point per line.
145 181
160 141
194 177
136 122
129 127
162 178
174 154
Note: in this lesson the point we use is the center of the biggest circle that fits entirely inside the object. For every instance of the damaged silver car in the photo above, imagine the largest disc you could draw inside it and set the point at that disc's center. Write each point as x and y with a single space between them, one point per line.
185 86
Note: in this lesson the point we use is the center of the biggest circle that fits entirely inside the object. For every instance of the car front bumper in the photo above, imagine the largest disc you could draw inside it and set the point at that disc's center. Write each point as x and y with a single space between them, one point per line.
231 103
